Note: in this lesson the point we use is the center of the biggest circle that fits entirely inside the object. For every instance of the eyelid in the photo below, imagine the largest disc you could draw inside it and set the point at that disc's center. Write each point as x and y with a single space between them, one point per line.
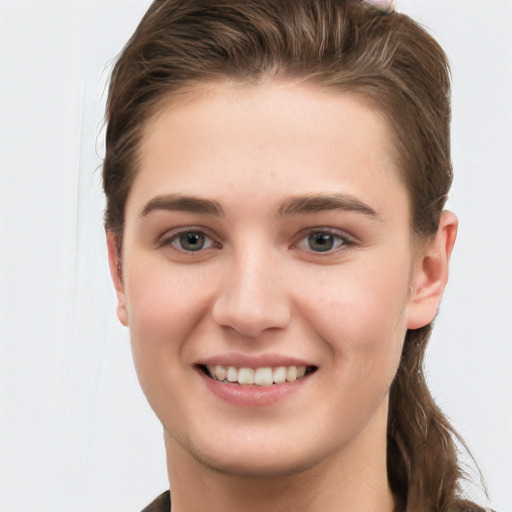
348 239
170 235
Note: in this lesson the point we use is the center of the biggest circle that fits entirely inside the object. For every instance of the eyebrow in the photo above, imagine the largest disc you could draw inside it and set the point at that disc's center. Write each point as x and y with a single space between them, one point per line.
297 205
178 202
321 202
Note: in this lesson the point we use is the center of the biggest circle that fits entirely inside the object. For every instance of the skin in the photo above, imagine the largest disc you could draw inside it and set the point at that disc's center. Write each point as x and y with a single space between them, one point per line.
260 288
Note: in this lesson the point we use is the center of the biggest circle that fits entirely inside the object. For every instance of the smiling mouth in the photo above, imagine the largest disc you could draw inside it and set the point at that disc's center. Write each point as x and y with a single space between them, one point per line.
265 376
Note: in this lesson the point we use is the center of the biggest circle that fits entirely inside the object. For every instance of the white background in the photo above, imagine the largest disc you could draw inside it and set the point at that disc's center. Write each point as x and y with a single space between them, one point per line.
75 431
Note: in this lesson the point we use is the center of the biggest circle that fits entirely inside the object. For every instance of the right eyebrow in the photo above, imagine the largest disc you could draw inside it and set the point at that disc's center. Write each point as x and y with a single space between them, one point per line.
178 202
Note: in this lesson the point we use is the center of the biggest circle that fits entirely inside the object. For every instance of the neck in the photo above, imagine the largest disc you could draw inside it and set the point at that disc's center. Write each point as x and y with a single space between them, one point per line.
351 480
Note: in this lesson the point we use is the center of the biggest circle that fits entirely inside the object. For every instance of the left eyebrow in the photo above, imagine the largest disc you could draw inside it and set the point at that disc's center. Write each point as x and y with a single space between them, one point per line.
322 202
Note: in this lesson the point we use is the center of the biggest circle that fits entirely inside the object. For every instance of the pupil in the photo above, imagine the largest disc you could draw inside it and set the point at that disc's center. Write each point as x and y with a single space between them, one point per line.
321 241
192 241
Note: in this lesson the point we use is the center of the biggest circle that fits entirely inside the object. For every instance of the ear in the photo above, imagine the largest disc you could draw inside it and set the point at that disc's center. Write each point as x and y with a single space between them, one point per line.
114 262
430 273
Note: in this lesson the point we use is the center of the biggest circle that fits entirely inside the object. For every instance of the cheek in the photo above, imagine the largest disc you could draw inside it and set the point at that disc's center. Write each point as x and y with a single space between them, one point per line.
159 294
359 317
361 314
164 305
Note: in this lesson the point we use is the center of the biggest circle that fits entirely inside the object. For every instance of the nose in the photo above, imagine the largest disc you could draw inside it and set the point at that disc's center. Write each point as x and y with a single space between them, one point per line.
253 296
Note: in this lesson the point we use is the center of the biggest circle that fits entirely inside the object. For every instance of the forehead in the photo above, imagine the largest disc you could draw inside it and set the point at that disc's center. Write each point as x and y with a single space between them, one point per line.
296 138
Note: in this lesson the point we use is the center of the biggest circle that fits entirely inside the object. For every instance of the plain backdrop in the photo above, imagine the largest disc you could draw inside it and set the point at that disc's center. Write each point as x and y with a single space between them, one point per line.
75 431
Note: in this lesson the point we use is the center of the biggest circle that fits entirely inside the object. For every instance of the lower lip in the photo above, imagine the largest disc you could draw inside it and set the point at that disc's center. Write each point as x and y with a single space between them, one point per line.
253 396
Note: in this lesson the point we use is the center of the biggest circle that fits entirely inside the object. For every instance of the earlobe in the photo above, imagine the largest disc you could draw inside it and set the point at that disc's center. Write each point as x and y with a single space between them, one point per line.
114 262
430 273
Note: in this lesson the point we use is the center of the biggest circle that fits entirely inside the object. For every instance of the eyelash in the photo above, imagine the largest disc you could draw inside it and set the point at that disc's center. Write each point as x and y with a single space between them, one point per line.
340 240
170 239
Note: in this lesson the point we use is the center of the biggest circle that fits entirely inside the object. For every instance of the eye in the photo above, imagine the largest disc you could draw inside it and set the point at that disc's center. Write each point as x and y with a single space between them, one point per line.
192 241
323 241
189 241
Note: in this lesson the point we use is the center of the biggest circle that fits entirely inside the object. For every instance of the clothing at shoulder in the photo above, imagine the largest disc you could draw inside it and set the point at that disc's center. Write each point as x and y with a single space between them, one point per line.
161 504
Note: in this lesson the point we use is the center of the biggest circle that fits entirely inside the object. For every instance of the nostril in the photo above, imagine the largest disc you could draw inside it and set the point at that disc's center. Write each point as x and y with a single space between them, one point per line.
252 321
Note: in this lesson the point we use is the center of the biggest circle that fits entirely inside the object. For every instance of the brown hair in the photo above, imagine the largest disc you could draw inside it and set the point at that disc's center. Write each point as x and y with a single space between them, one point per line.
337 44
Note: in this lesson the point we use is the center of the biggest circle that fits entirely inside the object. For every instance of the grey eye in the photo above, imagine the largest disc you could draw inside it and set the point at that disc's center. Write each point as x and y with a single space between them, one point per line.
321 242
188 240
191 241
324 241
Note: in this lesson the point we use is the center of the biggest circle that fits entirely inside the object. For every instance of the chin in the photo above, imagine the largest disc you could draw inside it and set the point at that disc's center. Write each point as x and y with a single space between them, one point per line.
253 469
253 462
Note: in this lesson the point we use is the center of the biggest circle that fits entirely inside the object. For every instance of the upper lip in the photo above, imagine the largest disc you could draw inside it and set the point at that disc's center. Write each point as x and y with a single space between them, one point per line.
251 361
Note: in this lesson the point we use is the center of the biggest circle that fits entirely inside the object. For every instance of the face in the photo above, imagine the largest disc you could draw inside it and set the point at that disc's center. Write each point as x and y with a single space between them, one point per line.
267 271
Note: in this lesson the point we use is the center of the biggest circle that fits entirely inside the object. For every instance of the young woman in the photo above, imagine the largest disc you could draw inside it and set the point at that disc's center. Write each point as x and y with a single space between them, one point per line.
275 173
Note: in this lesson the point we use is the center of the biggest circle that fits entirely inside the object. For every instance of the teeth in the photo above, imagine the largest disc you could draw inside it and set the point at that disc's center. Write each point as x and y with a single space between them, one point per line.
279 374
232 374
220 372
246 376
265 376
291 373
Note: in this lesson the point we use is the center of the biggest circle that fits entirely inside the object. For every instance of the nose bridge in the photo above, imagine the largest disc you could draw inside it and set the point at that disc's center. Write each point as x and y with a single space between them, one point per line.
252 296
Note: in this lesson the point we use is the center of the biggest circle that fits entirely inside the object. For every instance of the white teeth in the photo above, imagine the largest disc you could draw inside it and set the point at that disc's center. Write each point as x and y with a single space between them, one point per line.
279 374
232 374
265 376
291 373
246 376
220 372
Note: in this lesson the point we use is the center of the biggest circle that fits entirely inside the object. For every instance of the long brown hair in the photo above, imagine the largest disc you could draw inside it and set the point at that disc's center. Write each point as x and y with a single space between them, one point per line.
338 44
